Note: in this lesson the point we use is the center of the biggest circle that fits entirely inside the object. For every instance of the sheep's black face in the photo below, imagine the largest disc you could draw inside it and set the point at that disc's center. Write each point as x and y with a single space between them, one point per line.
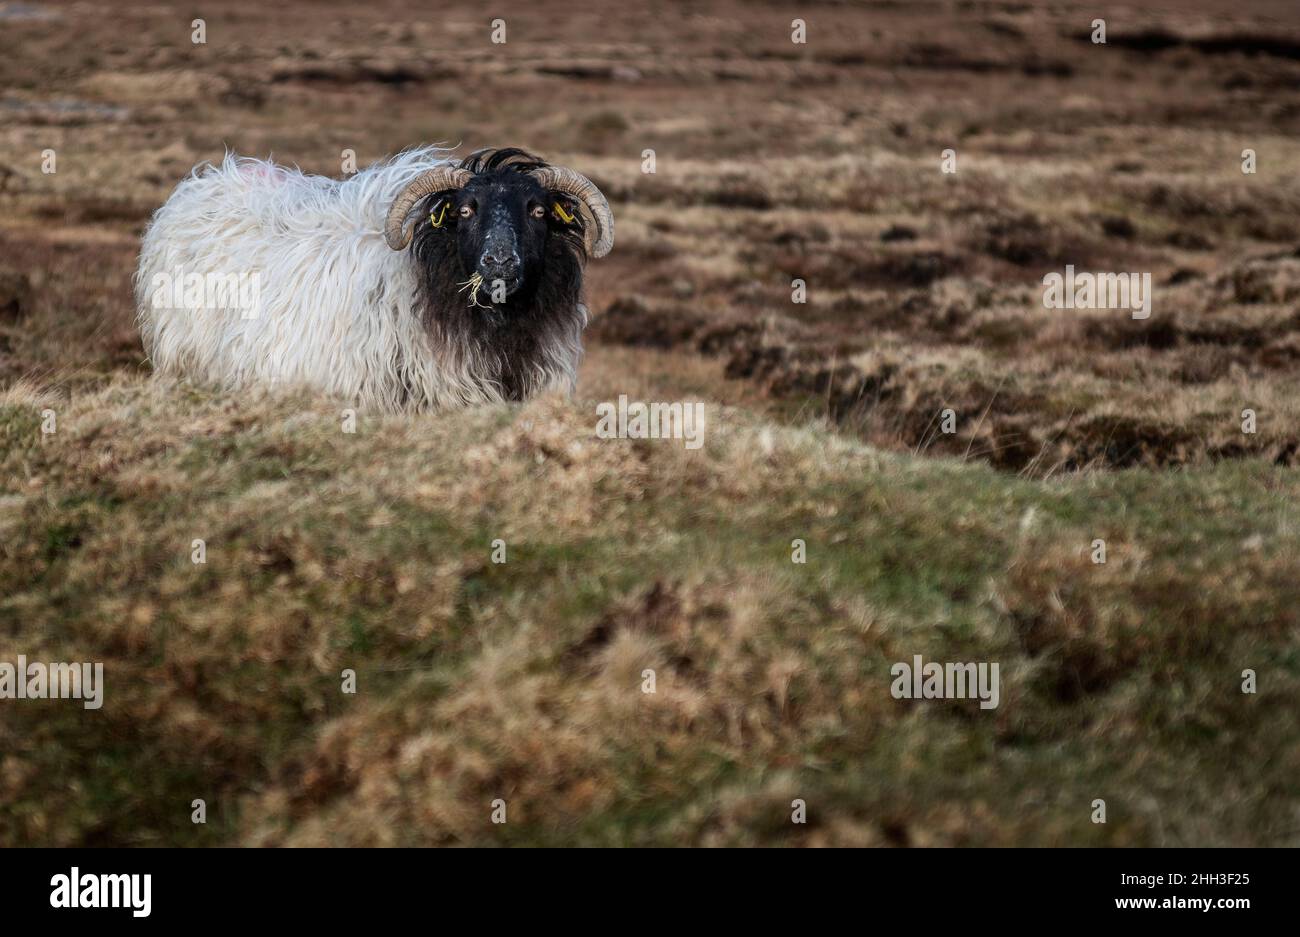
503 239
501 262
502 223
501 230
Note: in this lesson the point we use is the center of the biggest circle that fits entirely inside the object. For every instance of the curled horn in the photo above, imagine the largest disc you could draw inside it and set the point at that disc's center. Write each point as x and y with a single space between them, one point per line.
559 179
433 180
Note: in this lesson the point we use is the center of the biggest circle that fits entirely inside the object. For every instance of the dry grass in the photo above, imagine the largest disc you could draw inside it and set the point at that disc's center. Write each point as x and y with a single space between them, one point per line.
522 680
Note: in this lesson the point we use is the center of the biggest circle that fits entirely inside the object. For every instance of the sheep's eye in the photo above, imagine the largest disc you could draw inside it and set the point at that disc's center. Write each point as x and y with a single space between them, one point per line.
538 211
466 211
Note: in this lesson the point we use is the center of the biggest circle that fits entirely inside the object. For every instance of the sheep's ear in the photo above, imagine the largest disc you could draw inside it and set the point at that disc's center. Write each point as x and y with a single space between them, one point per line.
564 209
438 210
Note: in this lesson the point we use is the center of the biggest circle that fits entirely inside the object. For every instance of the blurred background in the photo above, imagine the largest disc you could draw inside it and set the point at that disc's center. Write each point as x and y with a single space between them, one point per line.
773 160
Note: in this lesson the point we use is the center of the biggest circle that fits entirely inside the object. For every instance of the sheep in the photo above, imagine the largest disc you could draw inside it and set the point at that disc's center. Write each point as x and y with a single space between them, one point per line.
256 275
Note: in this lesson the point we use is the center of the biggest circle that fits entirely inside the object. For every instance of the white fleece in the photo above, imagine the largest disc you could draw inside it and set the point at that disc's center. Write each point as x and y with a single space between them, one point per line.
338 309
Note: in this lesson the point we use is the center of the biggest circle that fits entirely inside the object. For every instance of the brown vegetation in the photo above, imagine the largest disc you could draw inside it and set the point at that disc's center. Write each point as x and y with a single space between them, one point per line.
774 161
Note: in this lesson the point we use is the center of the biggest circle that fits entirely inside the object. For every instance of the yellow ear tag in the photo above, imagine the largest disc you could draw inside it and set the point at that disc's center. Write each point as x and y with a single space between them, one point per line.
442 217
562 214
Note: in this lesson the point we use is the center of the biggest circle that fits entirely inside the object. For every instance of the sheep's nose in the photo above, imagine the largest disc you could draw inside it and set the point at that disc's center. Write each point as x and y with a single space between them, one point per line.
500 262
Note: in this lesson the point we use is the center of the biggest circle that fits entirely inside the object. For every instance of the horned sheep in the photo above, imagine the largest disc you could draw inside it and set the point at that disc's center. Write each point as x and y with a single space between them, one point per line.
420 283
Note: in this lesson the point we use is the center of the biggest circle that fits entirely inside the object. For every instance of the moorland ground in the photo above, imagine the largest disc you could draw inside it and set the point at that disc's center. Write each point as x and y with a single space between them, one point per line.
523 681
